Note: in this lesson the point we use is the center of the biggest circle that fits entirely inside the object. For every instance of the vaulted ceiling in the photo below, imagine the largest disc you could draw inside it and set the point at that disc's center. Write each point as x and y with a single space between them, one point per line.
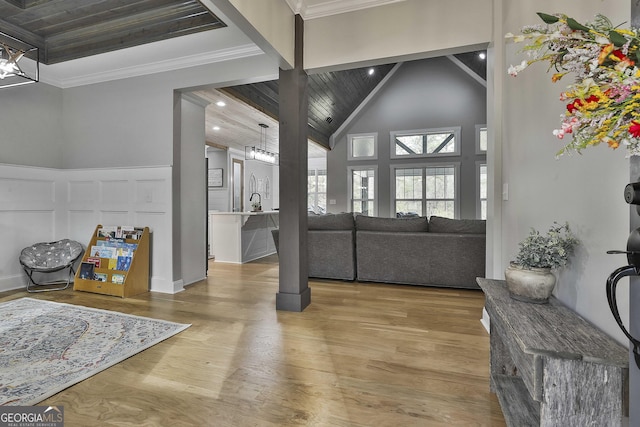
333 96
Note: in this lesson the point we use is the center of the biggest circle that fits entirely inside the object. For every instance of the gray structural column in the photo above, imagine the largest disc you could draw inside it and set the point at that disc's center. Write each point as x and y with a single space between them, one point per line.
294 293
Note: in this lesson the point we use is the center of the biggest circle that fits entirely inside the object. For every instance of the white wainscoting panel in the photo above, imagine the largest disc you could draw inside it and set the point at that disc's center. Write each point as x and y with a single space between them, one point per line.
115 218
27 216
139 197
82 191
39 204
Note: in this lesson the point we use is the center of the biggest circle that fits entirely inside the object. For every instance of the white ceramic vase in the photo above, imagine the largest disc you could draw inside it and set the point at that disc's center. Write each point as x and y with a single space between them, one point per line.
530 285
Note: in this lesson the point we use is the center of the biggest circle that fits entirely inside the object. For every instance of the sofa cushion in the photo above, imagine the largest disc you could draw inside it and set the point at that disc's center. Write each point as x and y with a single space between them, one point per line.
340 221
372 223
438 224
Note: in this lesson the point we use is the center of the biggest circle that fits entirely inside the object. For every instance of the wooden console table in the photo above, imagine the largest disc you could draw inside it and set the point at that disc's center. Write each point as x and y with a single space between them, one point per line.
550 367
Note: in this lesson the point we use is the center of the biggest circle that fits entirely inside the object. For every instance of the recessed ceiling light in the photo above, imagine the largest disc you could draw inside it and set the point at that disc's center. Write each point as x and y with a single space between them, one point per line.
371 71
482 55
221 103
216 128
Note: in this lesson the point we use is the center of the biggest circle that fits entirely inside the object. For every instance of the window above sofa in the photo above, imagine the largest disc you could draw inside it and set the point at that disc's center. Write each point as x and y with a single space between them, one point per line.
363 193
362 146
426 190
425 143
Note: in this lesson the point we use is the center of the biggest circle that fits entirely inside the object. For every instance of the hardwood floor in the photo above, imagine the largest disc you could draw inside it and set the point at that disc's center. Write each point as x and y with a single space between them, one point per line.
359 355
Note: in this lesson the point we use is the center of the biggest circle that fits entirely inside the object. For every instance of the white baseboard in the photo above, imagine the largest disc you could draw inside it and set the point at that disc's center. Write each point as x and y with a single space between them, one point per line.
12 283
178 286
486 321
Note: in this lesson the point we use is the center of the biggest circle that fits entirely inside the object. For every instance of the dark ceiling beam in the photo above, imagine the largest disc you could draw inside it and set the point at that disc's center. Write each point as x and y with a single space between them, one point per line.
26 4
56 18
24 35
130 31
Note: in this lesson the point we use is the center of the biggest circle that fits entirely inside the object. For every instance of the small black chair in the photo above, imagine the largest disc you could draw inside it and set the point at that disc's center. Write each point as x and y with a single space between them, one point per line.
49 257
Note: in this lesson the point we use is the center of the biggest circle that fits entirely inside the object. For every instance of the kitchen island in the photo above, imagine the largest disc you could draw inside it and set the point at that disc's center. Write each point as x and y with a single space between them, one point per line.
239 237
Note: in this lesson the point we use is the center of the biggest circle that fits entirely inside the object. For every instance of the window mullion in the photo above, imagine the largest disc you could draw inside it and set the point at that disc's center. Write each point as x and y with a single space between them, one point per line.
424 189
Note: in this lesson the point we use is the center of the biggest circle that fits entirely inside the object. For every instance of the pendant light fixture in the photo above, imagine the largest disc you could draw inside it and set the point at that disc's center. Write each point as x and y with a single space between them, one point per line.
259 153
19 62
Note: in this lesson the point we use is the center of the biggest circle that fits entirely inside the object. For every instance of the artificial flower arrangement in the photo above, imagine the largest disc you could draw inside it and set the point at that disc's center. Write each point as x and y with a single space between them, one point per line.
603 104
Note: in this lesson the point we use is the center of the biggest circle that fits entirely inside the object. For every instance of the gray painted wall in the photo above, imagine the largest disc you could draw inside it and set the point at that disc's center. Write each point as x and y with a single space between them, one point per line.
586 190
129 122
219 199
31 121
193 210
430 93
262 172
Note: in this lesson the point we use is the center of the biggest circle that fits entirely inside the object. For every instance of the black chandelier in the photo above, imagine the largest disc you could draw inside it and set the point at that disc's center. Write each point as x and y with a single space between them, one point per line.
19 62
259 153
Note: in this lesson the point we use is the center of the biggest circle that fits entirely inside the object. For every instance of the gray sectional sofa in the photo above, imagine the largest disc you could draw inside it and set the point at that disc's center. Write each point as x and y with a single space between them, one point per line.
439 252
414 251
331 243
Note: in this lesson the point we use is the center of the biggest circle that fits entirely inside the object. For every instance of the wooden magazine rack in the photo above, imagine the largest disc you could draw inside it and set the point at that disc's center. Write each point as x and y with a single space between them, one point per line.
136 279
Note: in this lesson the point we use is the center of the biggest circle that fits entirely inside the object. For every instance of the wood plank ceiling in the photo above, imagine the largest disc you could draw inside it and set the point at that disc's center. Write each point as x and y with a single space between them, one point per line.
70 29
333 96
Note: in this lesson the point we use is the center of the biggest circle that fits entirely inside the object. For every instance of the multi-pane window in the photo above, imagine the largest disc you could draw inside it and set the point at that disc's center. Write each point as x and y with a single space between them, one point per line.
482 199
426 191
481 139
317 191
441 191
409 189
362 146
363 190
425 143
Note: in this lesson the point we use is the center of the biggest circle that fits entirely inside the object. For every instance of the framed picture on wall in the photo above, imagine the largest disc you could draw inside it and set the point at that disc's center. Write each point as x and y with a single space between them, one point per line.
215 177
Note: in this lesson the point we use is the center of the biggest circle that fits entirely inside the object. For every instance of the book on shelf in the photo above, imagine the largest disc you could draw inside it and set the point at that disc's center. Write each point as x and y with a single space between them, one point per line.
124 262
130 232
108 231
97 261
120 232
123 251
117 278
115 243
86 270
103 251
100 277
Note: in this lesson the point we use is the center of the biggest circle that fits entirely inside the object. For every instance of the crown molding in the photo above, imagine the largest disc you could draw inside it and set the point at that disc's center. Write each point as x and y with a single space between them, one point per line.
333 7
221 55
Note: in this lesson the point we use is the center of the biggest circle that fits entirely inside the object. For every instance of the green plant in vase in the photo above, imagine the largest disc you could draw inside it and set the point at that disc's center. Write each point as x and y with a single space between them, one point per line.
529 277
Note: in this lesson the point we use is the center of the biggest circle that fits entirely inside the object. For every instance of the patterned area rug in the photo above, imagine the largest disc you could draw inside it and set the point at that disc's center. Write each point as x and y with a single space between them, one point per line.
46 346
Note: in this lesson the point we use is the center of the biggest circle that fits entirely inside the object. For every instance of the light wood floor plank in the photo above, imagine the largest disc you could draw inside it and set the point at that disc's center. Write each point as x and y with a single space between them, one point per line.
361 354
